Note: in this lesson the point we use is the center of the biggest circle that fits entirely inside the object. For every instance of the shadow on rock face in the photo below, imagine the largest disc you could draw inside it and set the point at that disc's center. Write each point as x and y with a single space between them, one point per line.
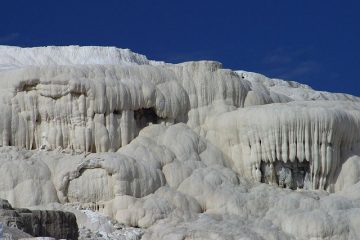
292 175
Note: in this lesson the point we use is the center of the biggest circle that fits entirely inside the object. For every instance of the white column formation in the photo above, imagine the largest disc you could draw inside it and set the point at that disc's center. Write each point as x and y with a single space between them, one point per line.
315 132
93 108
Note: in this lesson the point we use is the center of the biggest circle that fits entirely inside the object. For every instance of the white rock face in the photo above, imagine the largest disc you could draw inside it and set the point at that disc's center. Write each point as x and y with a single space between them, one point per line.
182 151
296 133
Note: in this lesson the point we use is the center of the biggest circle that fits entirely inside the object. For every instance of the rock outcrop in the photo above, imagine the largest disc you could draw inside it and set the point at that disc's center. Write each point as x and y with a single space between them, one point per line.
37 223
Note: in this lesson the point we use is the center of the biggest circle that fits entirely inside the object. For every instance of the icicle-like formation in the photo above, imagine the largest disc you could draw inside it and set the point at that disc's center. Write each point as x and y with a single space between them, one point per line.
292 133
93 99
84 108
98 108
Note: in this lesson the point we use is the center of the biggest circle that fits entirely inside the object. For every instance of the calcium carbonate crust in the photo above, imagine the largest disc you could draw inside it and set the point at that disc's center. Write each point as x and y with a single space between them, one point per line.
182 151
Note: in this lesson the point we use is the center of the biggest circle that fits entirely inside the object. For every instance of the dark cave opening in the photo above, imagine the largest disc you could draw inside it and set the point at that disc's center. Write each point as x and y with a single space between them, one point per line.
144 116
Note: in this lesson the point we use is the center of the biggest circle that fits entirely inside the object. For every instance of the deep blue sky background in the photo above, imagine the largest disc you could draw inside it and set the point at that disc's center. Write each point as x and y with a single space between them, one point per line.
313 42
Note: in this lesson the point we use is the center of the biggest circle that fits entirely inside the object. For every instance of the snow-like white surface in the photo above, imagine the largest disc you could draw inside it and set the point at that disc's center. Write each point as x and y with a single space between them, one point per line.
16 57
177 149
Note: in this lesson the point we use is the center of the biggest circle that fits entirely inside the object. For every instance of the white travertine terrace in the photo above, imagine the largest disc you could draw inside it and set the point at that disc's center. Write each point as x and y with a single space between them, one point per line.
17 57
298 131
175 148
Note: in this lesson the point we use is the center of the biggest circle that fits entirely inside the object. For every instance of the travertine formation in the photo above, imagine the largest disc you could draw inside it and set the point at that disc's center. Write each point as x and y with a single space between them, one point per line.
175 148
284 136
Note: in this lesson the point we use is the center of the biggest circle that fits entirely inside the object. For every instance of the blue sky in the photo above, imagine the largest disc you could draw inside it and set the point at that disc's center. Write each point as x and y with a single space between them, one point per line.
313 42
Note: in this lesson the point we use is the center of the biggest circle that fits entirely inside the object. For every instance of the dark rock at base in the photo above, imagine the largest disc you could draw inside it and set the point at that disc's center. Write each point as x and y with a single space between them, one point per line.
4 204
38 223
56 224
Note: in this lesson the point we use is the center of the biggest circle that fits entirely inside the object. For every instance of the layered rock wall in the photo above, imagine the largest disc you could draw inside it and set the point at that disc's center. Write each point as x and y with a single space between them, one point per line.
37 223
